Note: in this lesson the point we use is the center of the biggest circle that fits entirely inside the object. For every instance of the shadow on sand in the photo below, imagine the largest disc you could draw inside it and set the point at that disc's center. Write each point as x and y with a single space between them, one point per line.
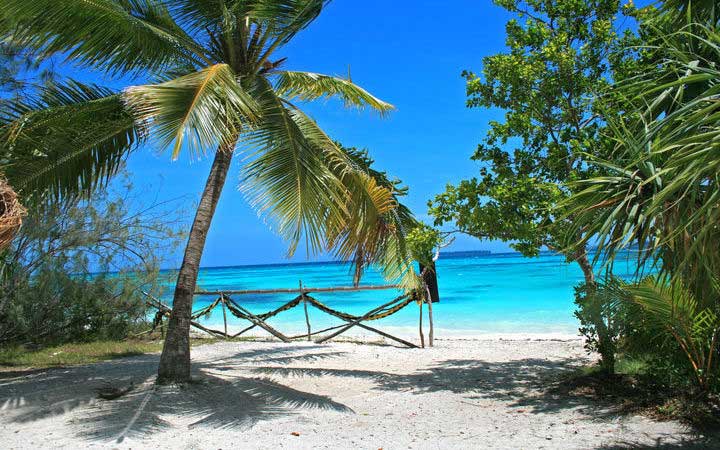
214 400
223 399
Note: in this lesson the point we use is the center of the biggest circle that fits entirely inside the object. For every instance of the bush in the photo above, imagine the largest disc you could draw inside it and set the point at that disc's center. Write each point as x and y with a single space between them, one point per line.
54 307
603 318
77 269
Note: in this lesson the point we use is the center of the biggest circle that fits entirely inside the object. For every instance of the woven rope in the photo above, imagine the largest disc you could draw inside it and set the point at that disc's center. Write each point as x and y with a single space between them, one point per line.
403 299
401 302
232 307
11 214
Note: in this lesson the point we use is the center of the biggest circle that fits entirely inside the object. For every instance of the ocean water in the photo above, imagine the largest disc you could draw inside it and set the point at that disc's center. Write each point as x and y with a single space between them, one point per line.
480 294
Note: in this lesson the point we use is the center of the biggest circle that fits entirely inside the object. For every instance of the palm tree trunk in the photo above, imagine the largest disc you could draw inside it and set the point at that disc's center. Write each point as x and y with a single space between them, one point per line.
175 358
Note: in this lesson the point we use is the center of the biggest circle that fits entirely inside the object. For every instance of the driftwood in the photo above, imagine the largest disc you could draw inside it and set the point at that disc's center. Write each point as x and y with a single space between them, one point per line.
110 392
261 323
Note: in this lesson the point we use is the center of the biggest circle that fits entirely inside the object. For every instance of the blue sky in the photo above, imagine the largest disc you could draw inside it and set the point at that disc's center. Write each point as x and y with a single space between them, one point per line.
409 53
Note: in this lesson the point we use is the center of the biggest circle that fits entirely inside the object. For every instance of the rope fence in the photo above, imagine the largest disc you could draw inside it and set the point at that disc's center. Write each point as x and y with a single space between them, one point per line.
227 303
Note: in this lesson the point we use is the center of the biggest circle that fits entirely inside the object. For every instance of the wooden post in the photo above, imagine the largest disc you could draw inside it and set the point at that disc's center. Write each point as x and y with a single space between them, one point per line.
422 335
431 333
222 296
307 317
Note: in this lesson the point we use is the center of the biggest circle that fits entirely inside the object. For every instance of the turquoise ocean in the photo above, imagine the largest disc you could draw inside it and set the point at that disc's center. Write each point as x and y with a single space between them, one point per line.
481 294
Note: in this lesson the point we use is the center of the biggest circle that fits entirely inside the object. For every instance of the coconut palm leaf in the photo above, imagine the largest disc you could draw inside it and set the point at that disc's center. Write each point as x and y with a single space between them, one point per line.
208 106
374 224
312 86
286 179
69 140
116 35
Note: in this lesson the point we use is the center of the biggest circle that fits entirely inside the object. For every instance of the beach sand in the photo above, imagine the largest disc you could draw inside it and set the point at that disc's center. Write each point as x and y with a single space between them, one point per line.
463 393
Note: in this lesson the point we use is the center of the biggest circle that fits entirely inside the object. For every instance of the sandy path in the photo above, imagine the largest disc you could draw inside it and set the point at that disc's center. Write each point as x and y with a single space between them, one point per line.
460 394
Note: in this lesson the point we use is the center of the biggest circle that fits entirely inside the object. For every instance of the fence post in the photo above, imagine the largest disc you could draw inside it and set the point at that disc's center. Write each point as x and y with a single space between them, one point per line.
222 297
307 317
420 324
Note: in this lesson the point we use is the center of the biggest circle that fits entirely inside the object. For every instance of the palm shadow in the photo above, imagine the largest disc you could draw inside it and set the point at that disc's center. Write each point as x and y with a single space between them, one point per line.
214 400
531 384
522 382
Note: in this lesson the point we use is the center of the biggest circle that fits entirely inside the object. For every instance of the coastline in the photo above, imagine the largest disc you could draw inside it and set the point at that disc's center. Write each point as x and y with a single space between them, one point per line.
407 333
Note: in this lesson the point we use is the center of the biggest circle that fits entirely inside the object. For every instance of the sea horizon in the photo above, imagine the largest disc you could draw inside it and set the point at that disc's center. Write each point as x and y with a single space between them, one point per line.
481 294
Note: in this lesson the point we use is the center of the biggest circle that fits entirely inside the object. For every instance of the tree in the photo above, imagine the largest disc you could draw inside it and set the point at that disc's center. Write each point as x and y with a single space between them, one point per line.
659 185
557 60
219 87
657 189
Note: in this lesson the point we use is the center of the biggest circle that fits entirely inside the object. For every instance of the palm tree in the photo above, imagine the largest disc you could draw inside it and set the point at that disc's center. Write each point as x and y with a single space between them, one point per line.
218 85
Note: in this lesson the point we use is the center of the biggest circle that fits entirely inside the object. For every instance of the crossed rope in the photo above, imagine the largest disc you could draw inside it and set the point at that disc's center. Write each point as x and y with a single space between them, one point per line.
260 320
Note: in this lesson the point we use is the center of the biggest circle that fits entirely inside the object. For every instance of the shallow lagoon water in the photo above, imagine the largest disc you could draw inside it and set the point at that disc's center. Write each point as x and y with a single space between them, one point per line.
481 294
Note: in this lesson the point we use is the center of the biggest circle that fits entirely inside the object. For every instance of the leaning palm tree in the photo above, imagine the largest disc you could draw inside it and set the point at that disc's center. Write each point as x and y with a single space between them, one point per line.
216 84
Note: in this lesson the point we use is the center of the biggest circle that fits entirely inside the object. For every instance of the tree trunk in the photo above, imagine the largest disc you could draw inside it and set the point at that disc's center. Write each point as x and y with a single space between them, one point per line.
606 348
175 358
582 259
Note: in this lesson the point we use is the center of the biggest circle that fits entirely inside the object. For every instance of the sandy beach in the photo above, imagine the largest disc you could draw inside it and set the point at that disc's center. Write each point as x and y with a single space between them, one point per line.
261 395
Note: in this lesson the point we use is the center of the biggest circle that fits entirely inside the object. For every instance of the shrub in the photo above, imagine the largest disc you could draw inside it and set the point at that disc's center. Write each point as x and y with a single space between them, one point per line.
76 270
602 315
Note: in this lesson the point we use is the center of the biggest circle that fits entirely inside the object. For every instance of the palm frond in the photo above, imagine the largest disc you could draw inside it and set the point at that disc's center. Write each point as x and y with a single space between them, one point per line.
69 140
208 107
660 191
283 20
113 35
373 227
673 312
286 178
311 86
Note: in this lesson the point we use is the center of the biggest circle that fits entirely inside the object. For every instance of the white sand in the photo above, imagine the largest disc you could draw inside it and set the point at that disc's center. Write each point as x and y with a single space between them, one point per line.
461 394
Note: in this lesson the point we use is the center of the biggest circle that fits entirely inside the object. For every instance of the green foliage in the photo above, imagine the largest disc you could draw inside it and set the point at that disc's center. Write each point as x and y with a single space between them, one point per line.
655 322
658 188
602 315
76 270
55 307
423 240
557 60
673 316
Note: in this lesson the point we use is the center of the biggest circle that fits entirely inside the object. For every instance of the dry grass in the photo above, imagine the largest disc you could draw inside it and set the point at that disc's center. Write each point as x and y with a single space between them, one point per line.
81 353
